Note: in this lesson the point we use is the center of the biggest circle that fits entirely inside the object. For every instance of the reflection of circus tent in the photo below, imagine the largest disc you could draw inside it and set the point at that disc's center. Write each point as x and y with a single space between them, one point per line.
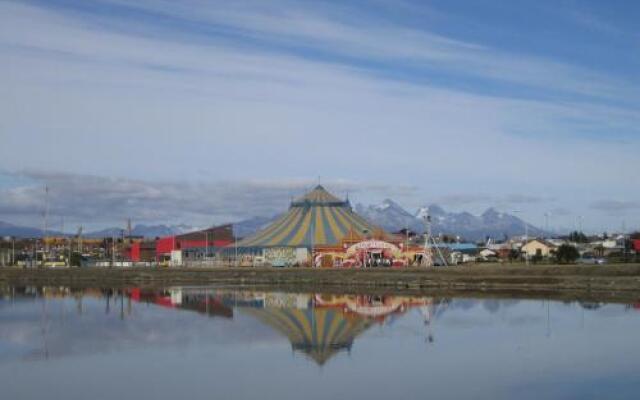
378 307
319 333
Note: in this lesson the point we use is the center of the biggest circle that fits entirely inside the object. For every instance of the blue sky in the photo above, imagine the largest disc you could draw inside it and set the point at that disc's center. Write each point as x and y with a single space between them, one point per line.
205 111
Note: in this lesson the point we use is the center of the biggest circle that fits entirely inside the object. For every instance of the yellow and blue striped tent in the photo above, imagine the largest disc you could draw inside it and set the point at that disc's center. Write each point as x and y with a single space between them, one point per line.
316 219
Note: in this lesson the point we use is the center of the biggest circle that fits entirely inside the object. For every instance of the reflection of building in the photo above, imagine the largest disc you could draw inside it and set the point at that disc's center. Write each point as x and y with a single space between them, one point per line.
319 333
200 301
375 307
332 322
319 326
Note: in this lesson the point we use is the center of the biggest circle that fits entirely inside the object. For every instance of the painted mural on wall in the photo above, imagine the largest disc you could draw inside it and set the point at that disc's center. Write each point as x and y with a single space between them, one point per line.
280 256
370 253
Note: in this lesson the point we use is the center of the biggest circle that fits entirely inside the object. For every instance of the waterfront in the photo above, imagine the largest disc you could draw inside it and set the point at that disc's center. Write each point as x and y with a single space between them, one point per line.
210 343
613 283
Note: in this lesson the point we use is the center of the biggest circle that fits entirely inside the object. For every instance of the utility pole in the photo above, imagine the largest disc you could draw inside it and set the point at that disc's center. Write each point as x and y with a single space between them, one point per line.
46 217
526 240
580 218
526 237
113 251
235 240
80 239
312 234
206 244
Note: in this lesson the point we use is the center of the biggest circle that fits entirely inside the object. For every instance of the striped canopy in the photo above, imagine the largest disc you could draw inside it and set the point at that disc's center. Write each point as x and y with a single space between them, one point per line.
318 333
316 219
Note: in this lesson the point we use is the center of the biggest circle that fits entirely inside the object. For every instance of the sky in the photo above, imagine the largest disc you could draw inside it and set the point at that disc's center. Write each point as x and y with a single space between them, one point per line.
206 112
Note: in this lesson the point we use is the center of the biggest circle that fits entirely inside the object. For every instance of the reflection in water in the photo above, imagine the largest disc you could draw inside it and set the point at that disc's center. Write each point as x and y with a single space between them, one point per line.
317 325
214 343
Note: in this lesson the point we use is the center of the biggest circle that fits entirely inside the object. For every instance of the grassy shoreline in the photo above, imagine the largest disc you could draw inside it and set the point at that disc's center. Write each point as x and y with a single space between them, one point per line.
620 283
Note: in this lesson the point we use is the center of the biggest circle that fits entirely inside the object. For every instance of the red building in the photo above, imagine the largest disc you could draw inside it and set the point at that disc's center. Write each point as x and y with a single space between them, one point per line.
218 236
161 248
142 251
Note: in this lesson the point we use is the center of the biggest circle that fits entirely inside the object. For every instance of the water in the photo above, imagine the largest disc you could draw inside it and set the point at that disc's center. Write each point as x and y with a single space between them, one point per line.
215 344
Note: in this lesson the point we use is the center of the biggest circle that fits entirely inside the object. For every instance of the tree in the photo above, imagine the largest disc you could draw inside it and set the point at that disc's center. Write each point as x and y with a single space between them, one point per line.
567 254
578 237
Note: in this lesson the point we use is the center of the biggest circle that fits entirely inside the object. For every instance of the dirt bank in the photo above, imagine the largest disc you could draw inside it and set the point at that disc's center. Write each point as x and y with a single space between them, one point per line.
597 283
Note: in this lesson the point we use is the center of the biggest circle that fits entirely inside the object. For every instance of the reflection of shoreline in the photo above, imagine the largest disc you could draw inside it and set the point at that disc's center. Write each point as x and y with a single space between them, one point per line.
610 283
318 326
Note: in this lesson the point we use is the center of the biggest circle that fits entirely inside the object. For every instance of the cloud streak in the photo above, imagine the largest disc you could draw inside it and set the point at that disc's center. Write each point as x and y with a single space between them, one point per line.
615 207
172 94
100 201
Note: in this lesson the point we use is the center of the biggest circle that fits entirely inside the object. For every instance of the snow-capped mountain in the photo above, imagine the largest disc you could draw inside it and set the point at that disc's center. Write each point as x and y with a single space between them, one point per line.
388 215
392 217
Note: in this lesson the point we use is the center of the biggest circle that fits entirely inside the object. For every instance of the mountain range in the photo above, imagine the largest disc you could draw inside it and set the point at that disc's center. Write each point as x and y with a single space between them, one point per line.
388 215
150 231
7 229
492 223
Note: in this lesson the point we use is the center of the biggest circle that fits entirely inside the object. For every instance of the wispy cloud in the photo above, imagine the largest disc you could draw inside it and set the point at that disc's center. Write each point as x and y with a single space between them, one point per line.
465 199
103 200
199 91
615 207
345 36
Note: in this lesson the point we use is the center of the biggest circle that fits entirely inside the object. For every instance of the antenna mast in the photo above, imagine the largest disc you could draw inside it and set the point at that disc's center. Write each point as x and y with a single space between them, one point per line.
46 217
429 241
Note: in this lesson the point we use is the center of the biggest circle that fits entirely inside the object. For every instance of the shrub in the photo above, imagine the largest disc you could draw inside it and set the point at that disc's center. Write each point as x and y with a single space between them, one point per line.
567 254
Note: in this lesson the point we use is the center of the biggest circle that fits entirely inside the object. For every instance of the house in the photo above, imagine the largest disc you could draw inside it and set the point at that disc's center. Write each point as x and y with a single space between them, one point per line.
538 248
488 253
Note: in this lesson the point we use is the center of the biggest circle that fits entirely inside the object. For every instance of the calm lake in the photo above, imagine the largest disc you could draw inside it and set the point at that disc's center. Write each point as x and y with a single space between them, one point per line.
207 343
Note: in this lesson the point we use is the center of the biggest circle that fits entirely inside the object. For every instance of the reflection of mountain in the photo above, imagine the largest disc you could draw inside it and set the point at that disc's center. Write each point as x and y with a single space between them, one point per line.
319 333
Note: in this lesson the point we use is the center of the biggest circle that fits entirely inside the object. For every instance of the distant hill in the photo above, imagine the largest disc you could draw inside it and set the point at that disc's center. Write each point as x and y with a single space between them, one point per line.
148 231
388 215
252 225
7 229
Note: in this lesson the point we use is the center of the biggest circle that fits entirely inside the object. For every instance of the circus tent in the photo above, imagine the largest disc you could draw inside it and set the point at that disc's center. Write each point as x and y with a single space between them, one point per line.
316 219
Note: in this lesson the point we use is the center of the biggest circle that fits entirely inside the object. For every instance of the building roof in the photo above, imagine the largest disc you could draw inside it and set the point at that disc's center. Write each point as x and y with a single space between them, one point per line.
315 219
222 232
544 242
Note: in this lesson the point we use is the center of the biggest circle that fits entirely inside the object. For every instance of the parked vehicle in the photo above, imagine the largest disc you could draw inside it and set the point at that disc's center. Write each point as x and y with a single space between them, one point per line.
592 260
